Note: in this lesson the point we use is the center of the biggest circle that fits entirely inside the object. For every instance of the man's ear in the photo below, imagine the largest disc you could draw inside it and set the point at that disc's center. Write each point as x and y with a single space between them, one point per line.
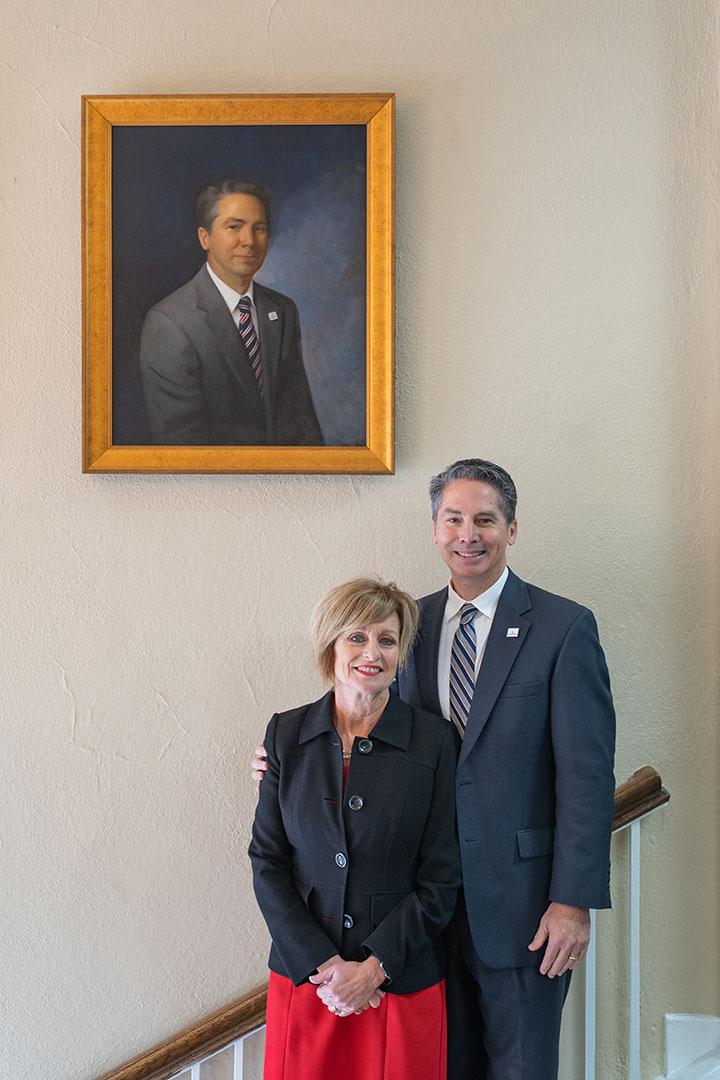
204 238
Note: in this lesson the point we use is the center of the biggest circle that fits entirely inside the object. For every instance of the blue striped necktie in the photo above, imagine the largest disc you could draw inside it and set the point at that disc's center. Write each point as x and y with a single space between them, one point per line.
250 340
462 668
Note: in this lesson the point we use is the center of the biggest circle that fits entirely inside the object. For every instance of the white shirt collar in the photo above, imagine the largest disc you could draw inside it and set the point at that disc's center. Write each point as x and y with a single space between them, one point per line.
229 295
486 602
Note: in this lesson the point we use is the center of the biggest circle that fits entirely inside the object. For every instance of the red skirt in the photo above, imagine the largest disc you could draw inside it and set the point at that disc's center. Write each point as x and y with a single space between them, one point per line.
404 1039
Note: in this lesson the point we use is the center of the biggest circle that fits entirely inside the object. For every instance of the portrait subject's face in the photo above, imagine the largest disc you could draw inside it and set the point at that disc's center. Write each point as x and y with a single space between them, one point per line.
472 536
238 240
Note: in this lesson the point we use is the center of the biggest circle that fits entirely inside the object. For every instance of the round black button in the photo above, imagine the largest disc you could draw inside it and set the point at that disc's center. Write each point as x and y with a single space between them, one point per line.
341 860
347 921
365 746
356 802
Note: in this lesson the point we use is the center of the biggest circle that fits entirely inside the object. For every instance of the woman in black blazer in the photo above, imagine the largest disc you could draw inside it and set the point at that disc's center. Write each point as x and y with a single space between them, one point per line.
355 860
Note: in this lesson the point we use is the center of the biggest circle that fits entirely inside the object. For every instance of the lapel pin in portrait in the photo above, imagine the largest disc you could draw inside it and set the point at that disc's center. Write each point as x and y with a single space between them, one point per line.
513 631
272 315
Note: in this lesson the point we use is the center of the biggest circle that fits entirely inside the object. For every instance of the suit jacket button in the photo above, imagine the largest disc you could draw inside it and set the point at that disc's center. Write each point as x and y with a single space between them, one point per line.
356 802
365 746
341 860
348 922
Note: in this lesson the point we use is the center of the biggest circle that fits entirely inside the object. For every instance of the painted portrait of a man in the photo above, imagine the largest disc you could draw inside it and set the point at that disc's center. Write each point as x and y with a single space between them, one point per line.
221 357
239 286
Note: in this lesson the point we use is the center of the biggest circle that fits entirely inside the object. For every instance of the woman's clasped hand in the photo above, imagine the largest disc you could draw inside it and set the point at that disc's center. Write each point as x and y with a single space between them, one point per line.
348 986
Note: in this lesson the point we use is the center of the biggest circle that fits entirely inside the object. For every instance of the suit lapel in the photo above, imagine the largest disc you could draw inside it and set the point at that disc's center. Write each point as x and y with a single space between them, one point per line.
426 651
225 333
500 654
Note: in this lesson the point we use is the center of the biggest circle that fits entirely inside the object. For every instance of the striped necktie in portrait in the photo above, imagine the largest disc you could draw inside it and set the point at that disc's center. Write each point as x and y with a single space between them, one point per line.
250 339
462 668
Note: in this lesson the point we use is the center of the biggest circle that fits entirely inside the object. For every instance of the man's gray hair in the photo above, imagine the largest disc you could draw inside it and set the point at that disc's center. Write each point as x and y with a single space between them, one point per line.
206 207
477 469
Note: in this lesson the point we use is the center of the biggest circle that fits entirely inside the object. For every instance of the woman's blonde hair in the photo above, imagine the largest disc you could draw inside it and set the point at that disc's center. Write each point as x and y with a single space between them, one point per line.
360 602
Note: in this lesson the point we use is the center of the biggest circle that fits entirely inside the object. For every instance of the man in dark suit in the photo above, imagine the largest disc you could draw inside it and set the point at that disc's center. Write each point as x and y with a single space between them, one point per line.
521 674
220 358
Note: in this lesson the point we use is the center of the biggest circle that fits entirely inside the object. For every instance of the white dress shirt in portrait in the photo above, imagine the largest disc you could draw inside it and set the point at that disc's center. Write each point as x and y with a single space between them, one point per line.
231 299
486 603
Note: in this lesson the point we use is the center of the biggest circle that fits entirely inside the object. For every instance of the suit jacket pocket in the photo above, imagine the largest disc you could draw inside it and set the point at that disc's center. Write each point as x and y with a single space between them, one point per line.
535 842
521 689
319 905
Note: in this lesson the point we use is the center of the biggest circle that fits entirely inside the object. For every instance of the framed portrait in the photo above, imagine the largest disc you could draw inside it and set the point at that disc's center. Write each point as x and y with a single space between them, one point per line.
238 283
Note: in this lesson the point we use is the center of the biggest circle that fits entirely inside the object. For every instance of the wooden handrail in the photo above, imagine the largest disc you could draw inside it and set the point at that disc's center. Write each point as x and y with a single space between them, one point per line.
199 1040
639 795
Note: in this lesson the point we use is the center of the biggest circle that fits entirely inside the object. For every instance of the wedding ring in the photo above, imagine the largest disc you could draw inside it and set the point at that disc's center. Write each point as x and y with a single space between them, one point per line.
572 958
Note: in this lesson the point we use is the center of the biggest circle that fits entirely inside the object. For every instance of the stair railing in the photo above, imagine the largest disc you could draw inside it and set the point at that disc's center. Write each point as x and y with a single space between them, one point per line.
188 1049
185 1052
635 800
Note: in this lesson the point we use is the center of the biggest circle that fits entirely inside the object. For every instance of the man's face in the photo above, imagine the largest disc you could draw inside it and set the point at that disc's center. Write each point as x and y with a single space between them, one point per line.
472 535
238 240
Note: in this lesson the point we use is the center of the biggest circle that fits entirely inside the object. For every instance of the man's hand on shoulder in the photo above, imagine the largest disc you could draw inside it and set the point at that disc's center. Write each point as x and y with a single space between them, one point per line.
565 932
258 764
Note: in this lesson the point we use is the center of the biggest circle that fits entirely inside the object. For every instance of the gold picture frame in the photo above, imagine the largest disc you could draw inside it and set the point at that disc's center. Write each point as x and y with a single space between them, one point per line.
366 119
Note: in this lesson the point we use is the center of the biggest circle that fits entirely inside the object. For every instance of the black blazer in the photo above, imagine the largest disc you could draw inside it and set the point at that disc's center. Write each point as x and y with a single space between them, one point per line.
534 779
198 382
373 871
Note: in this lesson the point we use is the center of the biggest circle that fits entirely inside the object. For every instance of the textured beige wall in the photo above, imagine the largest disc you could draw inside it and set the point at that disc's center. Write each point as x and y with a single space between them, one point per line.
557 308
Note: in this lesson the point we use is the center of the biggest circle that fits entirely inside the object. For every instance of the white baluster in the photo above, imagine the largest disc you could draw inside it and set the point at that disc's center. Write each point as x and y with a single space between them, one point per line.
634 1026
195 1071
591 999
238 1058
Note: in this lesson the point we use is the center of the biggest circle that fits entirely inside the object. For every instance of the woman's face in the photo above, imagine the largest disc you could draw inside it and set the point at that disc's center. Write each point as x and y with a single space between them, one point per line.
366 657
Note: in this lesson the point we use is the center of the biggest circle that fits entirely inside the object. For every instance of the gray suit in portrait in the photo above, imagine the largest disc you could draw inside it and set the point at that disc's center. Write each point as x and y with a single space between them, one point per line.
198 383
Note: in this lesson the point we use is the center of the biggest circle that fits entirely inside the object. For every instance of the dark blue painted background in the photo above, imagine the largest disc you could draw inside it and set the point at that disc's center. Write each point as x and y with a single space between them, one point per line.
316 178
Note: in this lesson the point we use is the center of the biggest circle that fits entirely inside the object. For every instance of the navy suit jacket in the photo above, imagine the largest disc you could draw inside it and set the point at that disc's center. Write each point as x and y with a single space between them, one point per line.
198 382
372 870
534 781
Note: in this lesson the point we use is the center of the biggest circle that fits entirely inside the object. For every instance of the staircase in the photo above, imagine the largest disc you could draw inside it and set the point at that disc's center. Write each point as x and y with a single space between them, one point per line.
692 1047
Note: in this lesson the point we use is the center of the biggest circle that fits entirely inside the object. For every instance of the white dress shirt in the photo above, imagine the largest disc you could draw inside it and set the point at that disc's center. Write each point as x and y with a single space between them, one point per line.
231 299
486 603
